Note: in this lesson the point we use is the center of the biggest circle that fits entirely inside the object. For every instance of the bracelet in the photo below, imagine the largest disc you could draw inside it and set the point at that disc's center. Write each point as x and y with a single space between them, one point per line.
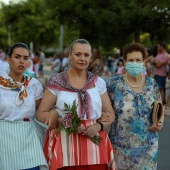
101 124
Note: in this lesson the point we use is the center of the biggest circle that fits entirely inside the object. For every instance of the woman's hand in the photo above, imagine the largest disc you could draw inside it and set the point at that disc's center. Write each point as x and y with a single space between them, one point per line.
105 117
81 129
92 130
156 127
52 120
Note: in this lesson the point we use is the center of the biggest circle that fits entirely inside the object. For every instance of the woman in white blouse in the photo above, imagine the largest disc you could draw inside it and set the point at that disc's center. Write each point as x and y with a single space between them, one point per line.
77 151
20 96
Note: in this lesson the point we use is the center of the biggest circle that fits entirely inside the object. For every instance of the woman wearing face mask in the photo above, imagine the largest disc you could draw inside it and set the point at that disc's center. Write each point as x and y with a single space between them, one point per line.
132 134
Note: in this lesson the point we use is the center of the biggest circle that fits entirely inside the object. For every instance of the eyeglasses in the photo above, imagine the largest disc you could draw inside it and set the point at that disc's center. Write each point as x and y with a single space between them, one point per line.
138 60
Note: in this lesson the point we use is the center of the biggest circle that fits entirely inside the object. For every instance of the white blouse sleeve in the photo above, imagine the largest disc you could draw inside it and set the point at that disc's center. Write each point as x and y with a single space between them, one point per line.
101 86
38 90
55 92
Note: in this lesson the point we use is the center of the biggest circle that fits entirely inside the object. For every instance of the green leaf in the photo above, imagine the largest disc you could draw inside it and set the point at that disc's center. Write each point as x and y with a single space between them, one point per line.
60 128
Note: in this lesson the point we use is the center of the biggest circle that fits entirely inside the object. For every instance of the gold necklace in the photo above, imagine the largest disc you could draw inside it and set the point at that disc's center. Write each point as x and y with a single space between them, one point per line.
132 85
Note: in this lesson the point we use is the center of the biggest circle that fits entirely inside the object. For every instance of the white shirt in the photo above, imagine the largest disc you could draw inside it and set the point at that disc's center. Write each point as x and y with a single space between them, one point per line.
11 108
42 57
65 63
95 95
57 68
4 67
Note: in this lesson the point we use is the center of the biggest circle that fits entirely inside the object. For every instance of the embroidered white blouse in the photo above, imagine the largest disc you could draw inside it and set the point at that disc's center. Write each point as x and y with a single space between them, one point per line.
68 97
12 108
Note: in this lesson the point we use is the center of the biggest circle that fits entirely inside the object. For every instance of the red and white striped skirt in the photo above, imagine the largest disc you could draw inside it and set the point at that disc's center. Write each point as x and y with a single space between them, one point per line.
77 150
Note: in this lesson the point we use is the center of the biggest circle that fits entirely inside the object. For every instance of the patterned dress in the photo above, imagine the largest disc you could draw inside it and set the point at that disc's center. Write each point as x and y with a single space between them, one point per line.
136 147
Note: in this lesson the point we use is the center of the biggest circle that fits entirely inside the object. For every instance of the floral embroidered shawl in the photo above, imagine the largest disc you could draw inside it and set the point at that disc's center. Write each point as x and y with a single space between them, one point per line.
60 81
9 83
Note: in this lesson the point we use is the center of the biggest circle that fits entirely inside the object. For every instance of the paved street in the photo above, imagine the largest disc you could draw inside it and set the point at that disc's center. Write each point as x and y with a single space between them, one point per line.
164 146
164 140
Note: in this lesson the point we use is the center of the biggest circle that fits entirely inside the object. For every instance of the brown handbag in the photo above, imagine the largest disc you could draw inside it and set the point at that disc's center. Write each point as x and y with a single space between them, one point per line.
157 111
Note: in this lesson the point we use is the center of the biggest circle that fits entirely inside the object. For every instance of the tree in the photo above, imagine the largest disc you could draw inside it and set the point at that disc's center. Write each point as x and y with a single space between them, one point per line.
3 32
30 22
109 23
104 23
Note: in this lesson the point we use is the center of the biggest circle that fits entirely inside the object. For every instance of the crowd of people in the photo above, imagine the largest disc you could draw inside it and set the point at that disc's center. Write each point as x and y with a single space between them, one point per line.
124 103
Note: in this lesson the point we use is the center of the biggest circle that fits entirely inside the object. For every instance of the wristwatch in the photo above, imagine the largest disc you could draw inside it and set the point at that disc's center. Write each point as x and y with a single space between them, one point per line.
101 124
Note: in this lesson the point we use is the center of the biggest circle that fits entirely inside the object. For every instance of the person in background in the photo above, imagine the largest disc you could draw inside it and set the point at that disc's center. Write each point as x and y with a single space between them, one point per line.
96 65
120 67
160 65
155 51
132 94
76 151
148 62
36 63
109 65
2 55
29 71
20 95
65 61
117 57
41 63
56 64
4 67
167 107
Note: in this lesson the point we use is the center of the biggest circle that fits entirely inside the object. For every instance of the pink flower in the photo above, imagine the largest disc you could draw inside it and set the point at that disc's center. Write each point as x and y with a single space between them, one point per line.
67 120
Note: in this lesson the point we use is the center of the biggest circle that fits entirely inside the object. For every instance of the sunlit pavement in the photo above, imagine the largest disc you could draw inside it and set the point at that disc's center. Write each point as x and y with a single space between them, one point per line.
164 140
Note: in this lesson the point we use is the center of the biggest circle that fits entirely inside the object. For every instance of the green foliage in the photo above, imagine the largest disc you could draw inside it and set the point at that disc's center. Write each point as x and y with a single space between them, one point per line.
96 139
76 120
103 23
30 22
110 23
3 33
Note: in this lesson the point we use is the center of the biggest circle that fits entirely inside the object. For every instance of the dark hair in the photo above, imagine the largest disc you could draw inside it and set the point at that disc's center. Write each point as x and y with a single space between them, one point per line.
17 45
78 41
134 47
97 54
36 53
149 51
120 60
155 51
39 49
162 44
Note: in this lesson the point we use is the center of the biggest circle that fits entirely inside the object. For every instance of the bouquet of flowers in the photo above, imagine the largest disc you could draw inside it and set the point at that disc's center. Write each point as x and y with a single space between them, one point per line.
72 121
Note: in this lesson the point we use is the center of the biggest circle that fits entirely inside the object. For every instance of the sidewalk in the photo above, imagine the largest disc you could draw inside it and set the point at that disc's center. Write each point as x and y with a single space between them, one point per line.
167 112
